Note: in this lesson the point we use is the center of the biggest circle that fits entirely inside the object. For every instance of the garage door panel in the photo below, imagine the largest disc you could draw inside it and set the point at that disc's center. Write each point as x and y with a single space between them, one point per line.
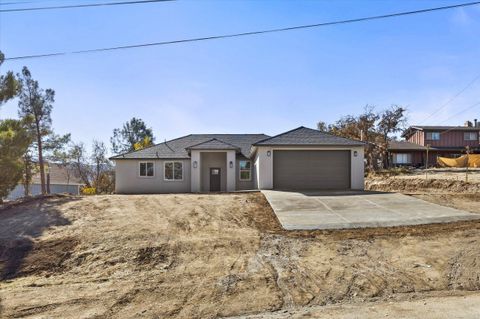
311 169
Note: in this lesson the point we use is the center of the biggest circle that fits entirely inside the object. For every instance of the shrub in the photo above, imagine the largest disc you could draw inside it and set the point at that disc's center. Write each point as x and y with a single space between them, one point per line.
89 191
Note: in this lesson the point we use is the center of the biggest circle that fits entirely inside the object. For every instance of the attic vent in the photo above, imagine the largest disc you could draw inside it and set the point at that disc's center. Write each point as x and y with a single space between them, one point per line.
156 153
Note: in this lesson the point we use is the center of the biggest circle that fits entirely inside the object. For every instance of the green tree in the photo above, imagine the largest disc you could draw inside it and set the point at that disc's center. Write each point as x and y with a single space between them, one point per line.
14 137
37 104
9 85
132 132
14 140
146 142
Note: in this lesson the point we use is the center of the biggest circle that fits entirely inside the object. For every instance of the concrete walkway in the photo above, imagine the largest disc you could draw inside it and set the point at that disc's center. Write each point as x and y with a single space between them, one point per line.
338 210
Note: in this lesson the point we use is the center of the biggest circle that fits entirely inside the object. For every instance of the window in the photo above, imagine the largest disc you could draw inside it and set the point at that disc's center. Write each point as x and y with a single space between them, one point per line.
146 169
245 170
433 136
402 158
173 171
470 136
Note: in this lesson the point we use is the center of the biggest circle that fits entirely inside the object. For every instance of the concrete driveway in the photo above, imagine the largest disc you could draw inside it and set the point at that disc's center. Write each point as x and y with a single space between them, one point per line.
350 209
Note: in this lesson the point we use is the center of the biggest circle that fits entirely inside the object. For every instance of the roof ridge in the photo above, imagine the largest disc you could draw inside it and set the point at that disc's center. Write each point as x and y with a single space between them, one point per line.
214 139
157 144
269 138
308 128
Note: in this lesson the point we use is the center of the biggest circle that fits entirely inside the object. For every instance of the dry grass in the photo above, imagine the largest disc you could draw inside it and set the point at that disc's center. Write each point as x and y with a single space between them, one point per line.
207 256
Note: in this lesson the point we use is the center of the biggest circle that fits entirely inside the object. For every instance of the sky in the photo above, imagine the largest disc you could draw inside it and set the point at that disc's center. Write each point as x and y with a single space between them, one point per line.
258 84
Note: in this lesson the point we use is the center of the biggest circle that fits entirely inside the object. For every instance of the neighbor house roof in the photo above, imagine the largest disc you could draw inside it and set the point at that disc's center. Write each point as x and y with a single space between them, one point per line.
213 144
178 148
405 146
307 136
410 130
59 175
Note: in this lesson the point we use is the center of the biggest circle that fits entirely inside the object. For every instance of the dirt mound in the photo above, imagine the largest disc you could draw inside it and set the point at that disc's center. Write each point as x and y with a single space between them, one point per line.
207 256
21 257
413 185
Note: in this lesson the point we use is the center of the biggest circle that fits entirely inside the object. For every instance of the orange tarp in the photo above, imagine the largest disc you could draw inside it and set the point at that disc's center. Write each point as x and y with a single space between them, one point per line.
472 160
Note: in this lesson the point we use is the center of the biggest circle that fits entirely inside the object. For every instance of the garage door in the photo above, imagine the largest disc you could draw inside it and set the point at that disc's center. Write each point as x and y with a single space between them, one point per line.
311 169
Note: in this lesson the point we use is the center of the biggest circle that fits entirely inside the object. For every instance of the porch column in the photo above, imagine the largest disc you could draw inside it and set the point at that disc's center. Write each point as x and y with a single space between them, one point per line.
195 171
231 169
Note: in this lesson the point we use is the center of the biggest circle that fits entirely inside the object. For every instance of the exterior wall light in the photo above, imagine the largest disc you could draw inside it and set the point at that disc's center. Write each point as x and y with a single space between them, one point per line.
195 164
355 153
231 164
269 153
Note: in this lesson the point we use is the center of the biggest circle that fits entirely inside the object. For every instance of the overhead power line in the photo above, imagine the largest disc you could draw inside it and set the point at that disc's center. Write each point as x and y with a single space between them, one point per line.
76 6
460 112
451 99
13 3
251 33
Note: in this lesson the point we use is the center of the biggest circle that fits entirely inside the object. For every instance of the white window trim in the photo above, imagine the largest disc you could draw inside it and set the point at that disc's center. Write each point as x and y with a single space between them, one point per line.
431 135
173 165
406 155
240 171
469 135
146 176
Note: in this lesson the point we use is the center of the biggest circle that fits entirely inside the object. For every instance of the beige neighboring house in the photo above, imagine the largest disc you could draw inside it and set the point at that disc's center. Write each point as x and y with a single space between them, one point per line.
61 181
299 159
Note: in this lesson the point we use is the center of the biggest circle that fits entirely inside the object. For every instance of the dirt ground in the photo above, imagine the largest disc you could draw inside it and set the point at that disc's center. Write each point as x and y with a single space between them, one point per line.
444 307
208 256
456 174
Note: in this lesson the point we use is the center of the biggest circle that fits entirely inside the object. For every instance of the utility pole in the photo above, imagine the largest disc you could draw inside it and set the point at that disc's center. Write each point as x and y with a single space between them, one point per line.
426 162
466 169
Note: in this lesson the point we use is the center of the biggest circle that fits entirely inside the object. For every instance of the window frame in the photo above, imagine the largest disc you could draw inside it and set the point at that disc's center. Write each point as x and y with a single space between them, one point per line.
408 158
474 134
146 169
431 136
240 170
173 179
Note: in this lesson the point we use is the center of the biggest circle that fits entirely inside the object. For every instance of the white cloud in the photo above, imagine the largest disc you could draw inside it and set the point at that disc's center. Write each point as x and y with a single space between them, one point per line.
463 17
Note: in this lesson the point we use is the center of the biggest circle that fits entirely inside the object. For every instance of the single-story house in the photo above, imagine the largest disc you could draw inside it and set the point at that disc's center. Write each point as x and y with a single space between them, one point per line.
299 159
59 178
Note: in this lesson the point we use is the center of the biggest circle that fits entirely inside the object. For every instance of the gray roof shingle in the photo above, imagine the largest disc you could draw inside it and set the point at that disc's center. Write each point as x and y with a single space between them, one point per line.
441 128
213 144
405 146
178 148
307 136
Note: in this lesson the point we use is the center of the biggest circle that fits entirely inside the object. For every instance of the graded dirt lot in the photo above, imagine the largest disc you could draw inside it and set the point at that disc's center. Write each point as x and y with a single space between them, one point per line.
207 256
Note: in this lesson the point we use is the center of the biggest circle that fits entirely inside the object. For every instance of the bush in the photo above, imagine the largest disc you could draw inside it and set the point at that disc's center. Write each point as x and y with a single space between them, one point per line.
89 190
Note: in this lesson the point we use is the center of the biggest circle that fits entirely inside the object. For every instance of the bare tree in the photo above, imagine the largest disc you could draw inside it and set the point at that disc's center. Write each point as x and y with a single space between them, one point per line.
391 121
80 164
375 129
99 159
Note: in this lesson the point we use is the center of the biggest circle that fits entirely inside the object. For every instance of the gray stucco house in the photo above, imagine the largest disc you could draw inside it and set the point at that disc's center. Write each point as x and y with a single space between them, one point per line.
59 180
299 159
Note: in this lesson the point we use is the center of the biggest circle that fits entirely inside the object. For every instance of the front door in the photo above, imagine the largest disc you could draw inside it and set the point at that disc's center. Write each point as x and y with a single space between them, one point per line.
214 179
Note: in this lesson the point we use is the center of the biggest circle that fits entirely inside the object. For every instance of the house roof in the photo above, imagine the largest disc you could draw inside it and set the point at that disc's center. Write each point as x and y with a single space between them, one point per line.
213 144
410 130
405 146
440 128
178 148
59 175
307 136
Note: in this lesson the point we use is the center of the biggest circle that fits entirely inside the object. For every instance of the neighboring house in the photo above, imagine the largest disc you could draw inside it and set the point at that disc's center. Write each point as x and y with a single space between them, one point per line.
444 141
61 181
302 158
